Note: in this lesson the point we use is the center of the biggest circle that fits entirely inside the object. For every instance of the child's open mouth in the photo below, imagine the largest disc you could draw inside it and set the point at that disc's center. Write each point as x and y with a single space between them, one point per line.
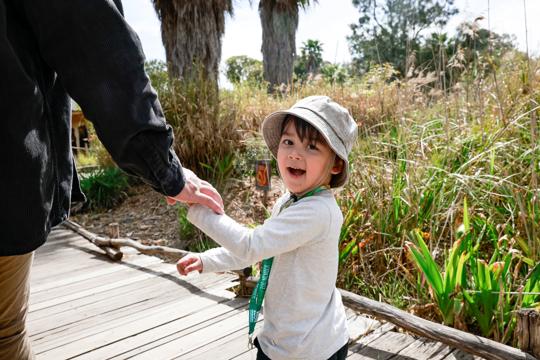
296 172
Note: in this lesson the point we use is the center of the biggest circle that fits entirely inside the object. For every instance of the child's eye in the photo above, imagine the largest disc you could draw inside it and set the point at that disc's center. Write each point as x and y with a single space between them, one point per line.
313 146
287 142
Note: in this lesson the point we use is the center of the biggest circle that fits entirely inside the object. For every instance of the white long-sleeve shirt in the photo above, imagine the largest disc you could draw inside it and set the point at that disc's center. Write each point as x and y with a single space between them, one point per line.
304 317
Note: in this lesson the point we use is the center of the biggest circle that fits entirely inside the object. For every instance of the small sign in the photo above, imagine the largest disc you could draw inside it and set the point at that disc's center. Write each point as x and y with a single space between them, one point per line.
262 174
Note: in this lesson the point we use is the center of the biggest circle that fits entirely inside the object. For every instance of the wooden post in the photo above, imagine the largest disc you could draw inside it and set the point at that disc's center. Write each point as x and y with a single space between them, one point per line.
113 230
528 331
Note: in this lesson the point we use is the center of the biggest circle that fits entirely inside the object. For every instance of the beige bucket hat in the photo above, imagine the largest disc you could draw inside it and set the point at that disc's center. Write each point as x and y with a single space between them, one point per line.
332 120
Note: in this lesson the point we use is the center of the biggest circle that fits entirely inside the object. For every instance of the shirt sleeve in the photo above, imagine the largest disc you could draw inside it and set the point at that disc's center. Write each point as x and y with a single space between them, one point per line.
221 259
99 60
293 227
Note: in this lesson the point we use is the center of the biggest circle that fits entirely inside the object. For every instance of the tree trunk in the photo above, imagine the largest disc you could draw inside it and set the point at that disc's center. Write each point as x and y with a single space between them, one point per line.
279 20
191 31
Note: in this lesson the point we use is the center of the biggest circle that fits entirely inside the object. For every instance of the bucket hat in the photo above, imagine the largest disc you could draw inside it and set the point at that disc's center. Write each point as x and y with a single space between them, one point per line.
332 120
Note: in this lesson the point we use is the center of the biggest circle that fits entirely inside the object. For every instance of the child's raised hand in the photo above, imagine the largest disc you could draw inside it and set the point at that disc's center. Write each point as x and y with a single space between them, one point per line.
189 263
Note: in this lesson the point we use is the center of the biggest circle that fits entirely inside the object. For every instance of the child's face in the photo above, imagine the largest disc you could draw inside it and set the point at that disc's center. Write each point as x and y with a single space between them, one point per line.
304 165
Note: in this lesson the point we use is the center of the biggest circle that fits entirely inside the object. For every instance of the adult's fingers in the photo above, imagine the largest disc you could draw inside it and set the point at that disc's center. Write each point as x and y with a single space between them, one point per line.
212 192
208 201
170 200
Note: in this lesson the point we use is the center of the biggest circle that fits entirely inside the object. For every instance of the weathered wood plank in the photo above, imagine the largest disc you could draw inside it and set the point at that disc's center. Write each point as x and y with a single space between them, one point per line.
193 336
154 336
125 271
382 348
89 338
71 278
113 306
465 341
461 355
424 349
226 347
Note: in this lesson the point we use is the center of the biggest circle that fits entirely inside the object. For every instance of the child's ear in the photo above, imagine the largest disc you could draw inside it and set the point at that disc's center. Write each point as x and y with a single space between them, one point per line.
338 166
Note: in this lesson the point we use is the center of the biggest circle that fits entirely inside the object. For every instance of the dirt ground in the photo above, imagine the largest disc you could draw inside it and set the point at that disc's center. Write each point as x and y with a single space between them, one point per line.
145 216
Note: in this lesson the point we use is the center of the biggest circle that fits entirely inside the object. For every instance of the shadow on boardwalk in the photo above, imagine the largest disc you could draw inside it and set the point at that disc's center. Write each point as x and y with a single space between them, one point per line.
85 306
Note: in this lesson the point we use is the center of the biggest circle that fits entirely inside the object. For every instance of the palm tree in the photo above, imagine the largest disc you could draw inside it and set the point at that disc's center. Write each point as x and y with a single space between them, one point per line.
191 31
279 20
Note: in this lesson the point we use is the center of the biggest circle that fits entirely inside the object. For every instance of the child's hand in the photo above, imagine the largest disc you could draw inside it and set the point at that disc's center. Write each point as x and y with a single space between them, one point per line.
189 263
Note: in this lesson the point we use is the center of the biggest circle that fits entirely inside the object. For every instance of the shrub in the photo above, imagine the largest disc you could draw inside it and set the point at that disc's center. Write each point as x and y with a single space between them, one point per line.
104 188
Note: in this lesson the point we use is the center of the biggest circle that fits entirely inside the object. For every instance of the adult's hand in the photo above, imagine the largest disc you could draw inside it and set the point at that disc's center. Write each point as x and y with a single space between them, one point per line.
197 191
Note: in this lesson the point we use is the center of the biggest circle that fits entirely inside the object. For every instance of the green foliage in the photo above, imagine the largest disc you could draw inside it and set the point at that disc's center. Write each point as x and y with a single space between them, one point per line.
475 291
389 31
239 69
309 61
445 284
335 73
105 188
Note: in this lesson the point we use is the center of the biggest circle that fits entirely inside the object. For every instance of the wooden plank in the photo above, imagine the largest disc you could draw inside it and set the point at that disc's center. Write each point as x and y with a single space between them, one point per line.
382 348
461 355
79 259
365 340
47 299
247 355
227 347
424 349
359 325
96 297
113 306
161 270
185 343
86 339
186 327
163 334
124 271
94 272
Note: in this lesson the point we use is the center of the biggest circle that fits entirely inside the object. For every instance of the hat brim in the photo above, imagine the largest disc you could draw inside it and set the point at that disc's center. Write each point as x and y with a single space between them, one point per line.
271 130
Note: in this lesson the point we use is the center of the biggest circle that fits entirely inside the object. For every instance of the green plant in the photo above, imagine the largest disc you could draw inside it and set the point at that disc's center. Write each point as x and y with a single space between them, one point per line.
445 285
105 188
221 171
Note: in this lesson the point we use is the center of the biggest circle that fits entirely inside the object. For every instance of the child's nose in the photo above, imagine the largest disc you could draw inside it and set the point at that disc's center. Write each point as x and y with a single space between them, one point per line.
294 155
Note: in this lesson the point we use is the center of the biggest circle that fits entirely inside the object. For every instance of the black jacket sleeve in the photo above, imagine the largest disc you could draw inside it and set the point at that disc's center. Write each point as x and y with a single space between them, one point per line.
99 60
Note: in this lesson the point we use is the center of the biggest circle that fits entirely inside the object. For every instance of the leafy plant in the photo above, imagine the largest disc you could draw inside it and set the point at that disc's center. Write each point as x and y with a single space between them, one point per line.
105 188
445 285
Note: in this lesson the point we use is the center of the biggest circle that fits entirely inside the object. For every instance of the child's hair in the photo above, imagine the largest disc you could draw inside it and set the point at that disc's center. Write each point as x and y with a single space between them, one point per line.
303 129
307 131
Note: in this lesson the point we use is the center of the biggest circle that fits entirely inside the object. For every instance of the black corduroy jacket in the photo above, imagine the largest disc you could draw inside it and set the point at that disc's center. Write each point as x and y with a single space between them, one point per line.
51 50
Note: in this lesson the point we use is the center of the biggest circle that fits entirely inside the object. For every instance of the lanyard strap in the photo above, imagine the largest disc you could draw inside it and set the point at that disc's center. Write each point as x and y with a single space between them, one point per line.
256 300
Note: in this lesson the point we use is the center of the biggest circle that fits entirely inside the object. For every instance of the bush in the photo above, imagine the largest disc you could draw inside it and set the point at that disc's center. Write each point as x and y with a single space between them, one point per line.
104 188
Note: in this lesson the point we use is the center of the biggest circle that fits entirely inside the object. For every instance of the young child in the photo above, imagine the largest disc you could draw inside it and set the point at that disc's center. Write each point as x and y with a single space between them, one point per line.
304 317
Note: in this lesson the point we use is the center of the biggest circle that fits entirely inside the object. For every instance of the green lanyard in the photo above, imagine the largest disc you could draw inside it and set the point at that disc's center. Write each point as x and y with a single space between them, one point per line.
256 300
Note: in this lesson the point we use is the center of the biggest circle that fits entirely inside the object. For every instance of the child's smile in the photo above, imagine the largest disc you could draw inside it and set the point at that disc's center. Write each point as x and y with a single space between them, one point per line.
304 164
296 172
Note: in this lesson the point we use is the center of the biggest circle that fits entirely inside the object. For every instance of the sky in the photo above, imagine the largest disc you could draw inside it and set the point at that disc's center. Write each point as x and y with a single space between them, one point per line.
329 22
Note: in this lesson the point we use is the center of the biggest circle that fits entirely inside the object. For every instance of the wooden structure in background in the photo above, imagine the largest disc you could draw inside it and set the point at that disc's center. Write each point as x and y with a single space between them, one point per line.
79 131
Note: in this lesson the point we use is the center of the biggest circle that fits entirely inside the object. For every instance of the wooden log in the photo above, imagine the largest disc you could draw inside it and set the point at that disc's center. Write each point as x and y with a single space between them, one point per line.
528 331
112 246
470 343
113 253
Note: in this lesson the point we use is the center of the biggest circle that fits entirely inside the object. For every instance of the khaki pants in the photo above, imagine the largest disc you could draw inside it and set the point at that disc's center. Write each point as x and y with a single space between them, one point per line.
14 291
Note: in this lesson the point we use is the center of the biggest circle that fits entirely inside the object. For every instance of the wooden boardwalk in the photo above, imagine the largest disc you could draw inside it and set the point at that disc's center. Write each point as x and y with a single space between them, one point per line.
84 306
